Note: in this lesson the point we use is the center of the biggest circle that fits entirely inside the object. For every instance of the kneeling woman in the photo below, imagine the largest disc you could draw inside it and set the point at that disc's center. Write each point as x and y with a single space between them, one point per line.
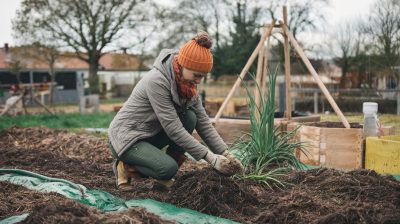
164 109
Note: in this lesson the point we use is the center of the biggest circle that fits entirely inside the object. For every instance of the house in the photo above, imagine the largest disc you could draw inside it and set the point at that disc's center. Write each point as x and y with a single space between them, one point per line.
118 72
386 82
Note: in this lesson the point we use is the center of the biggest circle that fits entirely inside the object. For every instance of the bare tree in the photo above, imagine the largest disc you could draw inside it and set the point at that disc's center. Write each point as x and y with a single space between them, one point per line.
48 54
14 61
383 28
86 26
38 46
350 44
233 24
182 20
306 15
303 15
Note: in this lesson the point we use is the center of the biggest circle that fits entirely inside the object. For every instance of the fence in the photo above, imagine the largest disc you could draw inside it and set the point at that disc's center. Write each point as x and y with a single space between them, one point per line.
391 96
67 96
341 94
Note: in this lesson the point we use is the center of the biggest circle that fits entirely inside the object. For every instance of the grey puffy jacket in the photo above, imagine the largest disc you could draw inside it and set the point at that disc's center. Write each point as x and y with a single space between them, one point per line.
155 105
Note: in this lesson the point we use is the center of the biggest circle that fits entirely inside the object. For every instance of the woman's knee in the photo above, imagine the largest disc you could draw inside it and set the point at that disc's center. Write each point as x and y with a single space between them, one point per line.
190 120
167 171
191 116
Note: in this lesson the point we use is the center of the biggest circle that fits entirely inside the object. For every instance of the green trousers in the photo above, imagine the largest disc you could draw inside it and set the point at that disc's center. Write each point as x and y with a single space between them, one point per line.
148 158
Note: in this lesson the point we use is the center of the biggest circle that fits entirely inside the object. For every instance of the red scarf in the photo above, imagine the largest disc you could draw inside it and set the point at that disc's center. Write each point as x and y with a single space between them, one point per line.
186 89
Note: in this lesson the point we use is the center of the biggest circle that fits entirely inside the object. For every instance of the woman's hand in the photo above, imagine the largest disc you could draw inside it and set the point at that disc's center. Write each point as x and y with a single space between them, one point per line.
233 159
222 164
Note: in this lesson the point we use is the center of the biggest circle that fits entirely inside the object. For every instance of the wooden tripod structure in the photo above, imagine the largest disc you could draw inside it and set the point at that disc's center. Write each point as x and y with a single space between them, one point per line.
261 75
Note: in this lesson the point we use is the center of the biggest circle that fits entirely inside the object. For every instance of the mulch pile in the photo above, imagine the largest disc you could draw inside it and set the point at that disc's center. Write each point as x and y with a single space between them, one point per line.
319 196
314 196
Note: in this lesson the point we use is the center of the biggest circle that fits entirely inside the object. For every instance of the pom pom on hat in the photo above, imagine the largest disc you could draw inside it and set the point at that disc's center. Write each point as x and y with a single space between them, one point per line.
196 55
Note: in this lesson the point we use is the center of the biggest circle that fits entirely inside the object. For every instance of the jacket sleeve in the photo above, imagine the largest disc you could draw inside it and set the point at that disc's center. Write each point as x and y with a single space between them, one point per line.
159 95
207 131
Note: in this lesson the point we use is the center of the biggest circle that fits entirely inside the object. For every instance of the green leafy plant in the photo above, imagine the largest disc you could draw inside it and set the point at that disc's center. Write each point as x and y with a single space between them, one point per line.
267 151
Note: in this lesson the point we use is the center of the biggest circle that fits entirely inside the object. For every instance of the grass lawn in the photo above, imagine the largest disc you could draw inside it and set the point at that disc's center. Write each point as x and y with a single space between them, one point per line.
69 121
385 119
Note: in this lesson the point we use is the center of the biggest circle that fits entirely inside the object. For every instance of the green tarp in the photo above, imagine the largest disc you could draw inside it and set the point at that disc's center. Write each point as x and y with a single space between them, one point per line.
14 219
100 199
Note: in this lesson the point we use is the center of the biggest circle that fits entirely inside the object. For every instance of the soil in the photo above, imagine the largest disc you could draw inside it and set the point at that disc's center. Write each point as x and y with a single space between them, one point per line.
314 196
330 124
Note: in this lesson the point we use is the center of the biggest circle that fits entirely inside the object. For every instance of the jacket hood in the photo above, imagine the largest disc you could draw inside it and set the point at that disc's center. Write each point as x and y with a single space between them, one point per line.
163 63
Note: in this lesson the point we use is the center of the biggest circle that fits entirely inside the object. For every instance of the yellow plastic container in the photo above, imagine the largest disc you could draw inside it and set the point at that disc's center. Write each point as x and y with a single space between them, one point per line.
383 154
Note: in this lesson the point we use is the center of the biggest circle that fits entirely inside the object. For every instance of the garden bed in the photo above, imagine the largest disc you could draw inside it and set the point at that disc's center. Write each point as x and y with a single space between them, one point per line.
320 195
231 128
330 144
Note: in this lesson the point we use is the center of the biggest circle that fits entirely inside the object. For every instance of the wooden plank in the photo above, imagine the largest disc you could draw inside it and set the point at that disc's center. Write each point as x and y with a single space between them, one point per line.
343 147
265 68
277 121
257 86
309 118
231 129
290 127
311 138
286 47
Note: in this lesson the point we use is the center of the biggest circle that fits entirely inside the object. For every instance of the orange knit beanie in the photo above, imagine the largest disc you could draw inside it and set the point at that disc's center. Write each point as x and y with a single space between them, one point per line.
196 55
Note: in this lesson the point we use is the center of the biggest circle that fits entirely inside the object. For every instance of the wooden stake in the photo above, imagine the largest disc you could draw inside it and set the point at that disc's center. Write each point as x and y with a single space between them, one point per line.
244 71
286 47
24 106
12 105
257 84
315 75
41 104
265 68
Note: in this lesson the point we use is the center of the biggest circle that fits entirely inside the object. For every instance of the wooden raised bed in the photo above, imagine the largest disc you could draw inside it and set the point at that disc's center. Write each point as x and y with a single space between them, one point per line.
232 128
329 144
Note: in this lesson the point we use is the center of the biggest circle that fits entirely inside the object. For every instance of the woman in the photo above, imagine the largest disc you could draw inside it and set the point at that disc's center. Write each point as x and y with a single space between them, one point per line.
163 110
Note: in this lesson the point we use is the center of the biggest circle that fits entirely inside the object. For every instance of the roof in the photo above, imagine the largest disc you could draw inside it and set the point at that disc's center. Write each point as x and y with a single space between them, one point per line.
69 61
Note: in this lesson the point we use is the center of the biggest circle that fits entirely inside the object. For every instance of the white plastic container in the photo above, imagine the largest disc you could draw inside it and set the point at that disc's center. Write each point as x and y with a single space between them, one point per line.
371 122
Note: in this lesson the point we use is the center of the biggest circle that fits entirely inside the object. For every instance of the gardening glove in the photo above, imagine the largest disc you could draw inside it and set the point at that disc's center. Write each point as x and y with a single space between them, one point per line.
220 163
233 159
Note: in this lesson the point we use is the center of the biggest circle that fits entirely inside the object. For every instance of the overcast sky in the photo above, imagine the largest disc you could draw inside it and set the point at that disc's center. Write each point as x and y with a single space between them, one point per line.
339 11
